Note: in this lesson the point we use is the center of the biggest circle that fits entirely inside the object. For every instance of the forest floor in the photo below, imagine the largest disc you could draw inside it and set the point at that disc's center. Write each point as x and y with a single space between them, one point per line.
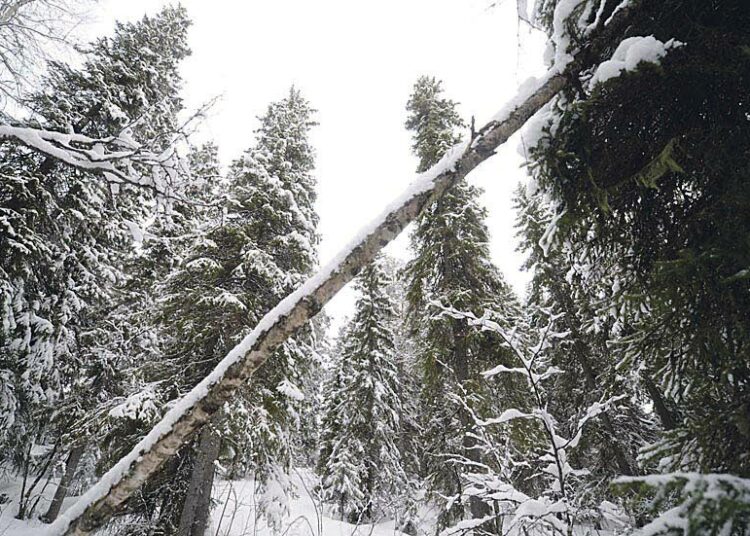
236 514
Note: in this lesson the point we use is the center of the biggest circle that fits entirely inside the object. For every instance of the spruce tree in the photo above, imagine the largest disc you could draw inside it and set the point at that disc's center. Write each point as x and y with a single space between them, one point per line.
563 283
410 381
451 266
646 174
67 233
329 425
111 402
235 272
361 465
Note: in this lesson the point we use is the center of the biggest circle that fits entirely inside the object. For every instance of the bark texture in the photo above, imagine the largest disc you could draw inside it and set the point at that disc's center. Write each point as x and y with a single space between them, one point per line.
197 506
71 464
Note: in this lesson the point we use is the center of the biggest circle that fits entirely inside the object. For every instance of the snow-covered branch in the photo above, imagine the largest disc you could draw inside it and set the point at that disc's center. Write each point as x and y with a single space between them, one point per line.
119 158
115 157
709 503
553 509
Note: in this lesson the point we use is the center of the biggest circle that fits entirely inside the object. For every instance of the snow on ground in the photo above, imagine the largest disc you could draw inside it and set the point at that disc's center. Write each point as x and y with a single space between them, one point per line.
10 489
237 513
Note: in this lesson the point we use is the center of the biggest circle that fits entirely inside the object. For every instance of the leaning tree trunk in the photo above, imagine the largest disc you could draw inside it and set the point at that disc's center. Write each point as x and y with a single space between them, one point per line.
189 414
71 464
197 505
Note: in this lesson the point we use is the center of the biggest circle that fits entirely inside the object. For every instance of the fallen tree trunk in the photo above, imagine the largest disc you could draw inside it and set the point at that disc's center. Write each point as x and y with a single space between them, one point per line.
194 410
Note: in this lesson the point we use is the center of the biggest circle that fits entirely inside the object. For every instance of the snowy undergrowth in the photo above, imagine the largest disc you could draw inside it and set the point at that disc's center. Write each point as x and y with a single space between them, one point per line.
10 490
238 512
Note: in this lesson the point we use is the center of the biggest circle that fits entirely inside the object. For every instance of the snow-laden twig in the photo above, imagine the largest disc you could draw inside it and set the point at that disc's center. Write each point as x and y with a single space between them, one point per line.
119 158
553 509
708 503
114 157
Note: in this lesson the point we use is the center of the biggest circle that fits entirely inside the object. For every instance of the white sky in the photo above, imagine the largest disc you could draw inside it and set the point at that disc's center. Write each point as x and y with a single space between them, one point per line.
356 62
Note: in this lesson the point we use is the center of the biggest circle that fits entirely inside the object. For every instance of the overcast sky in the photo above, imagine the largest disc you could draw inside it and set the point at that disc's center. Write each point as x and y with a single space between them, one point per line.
356 62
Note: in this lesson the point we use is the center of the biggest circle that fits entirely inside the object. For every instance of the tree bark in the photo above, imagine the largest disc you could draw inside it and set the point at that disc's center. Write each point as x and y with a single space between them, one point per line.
177 427
197 505
21 499
666 416
477 507
71 464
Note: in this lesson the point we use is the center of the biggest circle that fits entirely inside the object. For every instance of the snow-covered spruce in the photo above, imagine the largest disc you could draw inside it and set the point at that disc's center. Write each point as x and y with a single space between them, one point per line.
245 259
451 265
65 236
360 464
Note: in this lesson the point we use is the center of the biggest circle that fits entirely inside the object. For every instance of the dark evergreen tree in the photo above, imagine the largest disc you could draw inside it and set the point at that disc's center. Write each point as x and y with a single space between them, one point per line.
451 266
235 272
128 399
647 175
67 233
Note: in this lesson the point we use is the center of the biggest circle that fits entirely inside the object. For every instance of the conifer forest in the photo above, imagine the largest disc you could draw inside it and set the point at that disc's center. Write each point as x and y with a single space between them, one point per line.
172 358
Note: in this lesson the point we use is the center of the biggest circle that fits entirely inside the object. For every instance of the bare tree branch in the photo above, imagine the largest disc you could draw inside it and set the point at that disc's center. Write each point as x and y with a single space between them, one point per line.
119 158
114 157
29 31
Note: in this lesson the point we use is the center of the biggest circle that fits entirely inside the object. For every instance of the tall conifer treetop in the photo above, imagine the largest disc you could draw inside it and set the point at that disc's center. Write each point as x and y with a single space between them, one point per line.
451 266
130 80
241 265
434 121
